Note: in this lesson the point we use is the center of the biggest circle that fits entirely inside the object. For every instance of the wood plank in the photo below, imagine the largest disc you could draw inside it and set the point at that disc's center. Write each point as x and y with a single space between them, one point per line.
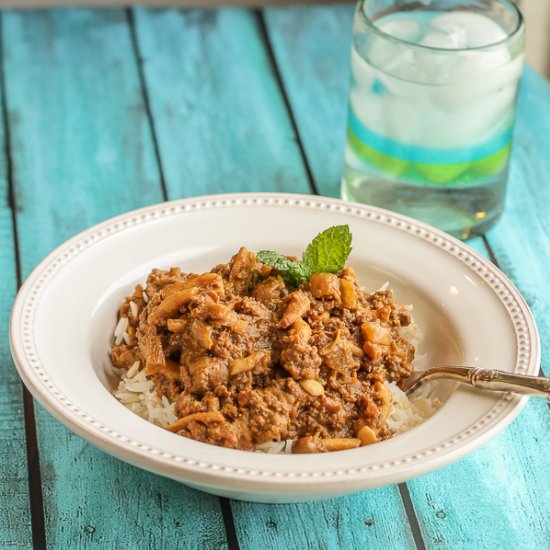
511 470
220 121
15 521
15 525
312 46
499 497
82 151
521 240
373 519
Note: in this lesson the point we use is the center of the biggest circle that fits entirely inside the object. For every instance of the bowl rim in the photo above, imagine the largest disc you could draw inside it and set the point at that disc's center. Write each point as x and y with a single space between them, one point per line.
209 473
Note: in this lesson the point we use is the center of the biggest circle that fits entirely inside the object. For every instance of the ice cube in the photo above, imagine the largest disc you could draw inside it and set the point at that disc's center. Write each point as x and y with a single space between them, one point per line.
478 29
453 37
387 69
465 68
475 120
387 56
387 116
362 73
409 31
476 76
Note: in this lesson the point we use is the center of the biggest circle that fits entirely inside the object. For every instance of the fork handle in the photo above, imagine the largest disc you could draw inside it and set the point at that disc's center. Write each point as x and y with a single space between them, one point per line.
495 380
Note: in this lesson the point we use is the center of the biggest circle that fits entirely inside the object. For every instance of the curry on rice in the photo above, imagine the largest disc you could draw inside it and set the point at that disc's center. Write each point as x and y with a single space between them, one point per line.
248 359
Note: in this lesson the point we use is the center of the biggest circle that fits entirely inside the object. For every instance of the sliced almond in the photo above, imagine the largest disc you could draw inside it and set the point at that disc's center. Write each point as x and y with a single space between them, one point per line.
172 304
339 443
245 364
366 436
313 387
206 280
204 417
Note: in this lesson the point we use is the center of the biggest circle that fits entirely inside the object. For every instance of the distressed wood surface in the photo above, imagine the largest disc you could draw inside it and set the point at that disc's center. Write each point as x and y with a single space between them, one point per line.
513 470
499 497
15 524
220 121
82 151
312 48
521 240
373 519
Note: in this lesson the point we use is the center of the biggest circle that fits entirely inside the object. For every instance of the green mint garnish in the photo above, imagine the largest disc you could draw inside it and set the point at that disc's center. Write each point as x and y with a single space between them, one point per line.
291 272
327 253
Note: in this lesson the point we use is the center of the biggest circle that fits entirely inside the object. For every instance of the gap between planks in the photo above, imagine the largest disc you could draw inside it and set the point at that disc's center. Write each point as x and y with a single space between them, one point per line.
33 459
229 524
145 92
411 516
264 35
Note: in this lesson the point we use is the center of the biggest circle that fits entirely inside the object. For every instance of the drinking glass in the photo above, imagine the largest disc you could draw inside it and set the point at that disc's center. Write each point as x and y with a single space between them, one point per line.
432 108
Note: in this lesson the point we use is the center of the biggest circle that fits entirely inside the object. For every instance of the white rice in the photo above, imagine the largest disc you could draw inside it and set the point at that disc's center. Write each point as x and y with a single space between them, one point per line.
120 330
133 310
275 447
137 392
405 412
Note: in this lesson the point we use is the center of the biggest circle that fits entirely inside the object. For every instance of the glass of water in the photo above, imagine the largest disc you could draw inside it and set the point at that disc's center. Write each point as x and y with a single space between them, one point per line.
432 107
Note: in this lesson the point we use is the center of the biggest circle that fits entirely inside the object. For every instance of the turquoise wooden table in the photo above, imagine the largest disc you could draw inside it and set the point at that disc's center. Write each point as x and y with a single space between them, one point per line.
106 111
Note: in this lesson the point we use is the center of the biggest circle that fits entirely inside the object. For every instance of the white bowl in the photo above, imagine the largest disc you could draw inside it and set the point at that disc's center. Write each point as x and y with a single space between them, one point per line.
471 314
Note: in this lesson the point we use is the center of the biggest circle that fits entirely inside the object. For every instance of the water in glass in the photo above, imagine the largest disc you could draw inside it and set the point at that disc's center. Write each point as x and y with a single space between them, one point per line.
431 114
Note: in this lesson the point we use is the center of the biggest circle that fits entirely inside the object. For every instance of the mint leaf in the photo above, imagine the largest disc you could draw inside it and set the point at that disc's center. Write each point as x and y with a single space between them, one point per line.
328 252
291 272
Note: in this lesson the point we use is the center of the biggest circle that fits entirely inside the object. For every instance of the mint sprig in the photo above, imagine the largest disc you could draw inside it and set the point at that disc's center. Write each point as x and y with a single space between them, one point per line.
327 253
291 272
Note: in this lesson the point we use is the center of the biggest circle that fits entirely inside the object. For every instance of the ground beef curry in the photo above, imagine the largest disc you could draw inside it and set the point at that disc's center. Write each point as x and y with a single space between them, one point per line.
248 359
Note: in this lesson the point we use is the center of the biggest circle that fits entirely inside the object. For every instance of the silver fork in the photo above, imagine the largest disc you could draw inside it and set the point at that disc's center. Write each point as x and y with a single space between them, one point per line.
492 380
